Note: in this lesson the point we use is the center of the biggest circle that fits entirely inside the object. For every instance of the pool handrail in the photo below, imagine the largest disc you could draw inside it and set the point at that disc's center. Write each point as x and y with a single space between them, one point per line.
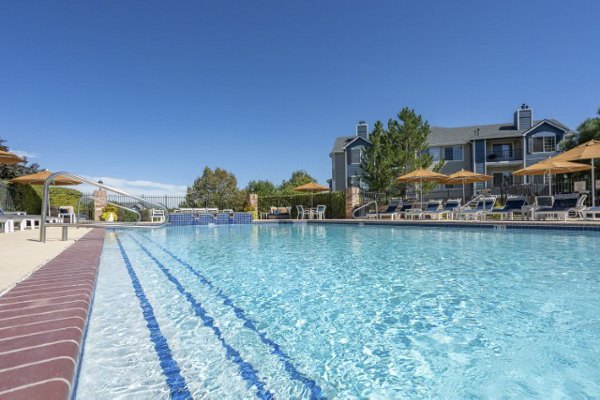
65 226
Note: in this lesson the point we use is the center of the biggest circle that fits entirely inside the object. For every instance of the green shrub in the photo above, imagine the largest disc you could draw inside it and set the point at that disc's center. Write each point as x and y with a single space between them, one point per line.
335 202
108 211
29 197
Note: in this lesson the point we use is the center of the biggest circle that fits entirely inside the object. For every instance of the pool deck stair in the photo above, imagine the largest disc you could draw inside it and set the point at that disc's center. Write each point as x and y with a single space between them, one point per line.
43 321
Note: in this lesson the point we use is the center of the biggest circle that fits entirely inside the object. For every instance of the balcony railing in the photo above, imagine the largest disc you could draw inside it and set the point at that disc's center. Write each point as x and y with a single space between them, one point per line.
505 155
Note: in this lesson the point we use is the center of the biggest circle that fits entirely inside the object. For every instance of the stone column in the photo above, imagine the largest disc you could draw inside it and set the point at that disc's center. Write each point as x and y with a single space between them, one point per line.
253 200
100 201
352 200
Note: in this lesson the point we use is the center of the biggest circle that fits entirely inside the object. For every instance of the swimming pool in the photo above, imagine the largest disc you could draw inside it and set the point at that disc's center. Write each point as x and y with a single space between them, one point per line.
344 311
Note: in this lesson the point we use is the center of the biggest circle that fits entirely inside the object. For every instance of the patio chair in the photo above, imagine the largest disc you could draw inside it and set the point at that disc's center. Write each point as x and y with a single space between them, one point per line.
320 211
302 212
7 224
513 204
432 206
451 206
157 215
564 204
483 205
391 208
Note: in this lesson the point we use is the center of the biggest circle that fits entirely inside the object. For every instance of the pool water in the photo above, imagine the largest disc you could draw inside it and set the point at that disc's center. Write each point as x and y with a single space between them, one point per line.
344 311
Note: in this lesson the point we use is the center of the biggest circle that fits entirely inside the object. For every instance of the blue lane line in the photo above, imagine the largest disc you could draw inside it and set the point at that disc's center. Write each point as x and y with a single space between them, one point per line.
315 391
176 382
249 373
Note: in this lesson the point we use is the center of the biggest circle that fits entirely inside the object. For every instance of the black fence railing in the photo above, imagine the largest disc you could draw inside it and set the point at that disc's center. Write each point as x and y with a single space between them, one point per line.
505 155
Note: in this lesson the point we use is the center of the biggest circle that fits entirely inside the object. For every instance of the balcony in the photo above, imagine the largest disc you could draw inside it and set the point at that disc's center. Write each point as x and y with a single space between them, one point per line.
504 155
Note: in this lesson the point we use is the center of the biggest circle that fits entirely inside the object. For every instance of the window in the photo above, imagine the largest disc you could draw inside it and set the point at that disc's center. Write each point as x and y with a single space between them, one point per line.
354 156
453 153
435 153
542 143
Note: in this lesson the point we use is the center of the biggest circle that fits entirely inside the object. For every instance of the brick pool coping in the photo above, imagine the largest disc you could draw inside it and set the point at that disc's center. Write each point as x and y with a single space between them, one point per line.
43 321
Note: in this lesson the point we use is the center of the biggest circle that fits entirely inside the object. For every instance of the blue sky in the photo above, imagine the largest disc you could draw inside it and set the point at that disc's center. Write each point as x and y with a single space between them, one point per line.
152 91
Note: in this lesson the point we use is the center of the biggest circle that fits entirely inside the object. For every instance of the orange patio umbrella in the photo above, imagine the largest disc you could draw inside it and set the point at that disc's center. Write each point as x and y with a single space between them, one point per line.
463 176
552 167
9 158
422 175
40 177
586 151
311 187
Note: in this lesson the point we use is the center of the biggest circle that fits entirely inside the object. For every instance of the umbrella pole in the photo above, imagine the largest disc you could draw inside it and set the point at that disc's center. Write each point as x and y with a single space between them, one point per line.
593 185
550 183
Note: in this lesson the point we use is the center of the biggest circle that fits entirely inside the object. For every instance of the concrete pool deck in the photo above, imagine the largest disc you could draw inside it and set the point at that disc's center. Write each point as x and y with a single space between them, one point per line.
21 252
43 319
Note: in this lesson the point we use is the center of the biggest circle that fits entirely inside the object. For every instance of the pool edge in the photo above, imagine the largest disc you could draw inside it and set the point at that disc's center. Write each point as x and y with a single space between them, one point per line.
43 322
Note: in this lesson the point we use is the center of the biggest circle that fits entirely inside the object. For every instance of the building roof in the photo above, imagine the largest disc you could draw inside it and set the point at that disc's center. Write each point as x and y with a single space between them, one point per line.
342 141
464 134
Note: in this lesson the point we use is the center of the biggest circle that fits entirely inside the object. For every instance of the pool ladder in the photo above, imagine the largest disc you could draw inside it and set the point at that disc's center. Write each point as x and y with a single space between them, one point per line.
97 224
365 206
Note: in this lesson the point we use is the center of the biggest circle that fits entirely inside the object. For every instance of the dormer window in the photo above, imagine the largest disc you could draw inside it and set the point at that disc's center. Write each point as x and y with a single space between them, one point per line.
544 142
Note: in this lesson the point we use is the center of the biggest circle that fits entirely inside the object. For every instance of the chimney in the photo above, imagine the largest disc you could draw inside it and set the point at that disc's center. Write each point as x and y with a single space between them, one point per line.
362 130
524 117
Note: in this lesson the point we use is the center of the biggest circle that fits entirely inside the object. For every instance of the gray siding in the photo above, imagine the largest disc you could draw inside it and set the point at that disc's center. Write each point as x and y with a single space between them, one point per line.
340 172
533 158
451 167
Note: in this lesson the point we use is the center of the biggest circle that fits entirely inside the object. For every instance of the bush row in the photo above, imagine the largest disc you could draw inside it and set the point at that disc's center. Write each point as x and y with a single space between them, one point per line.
335 202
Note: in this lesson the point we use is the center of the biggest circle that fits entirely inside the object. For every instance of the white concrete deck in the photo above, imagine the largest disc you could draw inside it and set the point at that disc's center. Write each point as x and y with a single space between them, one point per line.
21 252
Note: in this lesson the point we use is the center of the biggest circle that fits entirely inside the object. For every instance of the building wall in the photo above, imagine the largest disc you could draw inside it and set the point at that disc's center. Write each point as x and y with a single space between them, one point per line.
533 158
451 166
339 175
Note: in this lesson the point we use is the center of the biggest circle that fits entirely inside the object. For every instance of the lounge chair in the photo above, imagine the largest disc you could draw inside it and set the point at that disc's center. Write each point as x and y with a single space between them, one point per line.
563 205
482 206
391 209
279 213
451 206
398 212
513 204
591 213
432 206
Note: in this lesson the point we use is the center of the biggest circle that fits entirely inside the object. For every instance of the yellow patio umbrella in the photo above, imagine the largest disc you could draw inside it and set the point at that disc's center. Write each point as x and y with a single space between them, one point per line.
311 187
552 167
422 175
9 158
465 177
586 151
40 177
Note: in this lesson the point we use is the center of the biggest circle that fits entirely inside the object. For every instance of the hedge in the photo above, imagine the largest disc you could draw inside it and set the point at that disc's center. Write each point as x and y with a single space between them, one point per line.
335 202
29 197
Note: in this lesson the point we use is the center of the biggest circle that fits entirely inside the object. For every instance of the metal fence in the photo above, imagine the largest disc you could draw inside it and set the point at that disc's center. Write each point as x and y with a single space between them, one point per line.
167 200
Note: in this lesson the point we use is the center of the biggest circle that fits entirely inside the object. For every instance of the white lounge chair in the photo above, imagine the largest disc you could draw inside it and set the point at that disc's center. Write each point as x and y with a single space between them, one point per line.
432 206
563 205
591 213
483 205
513 204
451 206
